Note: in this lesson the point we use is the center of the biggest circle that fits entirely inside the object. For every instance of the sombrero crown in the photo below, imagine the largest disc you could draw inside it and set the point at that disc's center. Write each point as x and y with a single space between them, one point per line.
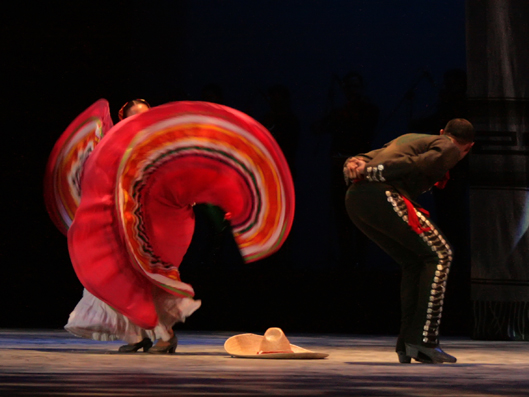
274 344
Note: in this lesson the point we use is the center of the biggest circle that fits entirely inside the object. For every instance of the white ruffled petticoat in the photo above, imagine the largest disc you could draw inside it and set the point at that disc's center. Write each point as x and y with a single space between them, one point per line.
94 319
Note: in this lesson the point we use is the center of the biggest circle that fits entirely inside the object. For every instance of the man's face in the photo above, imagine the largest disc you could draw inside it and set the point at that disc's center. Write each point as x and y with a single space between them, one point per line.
137 108
464 149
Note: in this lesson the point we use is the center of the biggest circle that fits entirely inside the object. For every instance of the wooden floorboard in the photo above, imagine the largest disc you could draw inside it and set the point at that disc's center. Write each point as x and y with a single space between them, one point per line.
54 363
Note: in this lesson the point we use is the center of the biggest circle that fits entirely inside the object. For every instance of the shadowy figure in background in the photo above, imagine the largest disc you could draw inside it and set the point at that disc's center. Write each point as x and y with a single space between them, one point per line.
282 123
352 125
212 93
352 128
452 103
452 202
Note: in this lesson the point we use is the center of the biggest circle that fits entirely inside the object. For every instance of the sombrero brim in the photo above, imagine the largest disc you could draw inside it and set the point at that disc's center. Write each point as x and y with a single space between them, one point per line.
247 346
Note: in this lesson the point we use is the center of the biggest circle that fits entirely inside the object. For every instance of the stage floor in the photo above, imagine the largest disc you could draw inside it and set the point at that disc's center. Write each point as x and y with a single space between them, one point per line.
54 363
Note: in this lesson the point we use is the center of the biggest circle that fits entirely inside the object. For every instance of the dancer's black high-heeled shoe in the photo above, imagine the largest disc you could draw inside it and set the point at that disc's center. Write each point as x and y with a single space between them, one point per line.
435 354
146 344
405 359
162 347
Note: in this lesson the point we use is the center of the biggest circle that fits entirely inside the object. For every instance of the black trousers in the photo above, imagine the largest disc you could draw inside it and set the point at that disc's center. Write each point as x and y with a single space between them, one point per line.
424 256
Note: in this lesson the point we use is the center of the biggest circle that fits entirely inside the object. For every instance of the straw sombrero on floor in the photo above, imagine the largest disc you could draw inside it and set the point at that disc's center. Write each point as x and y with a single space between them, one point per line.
272 345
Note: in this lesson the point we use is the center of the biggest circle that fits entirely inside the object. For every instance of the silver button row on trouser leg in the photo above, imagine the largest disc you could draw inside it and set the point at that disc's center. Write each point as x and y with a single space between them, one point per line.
439 245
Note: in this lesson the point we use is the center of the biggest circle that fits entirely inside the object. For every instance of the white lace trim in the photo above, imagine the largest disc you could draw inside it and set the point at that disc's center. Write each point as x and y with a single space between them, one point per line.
94 319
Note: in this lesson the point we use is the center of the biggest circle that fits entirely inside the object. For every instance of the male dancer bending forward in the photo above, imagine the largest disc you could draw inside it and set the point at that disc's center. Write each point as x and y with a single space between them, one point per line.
379 202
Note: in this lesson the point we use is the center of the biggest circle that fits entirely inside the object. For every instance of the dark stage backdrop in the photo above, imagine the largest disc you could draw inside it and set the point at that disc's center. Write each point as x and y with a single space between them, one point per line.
498 68
59 56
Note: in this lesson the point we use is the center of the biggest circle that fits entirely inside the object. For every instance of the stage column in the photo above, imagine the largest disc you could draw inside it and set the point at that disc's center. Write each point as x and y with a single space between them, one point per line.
498 87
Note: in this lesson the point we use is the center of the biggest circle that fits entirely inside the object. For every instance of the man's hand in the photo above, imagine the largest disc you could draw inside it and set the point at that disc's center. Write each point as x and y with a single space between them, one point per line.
354 168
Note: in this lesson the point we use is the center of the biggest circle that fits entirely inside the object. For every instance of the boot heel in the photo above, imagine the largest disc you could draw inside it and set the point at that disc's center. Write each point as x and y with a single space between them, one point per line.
168 347
403 357
412 351
147 347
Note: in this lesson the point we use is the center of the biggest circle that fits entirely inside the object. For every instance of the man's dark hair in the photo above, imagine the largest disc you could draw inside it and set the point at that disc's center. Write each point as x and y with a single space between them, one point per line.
461 129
